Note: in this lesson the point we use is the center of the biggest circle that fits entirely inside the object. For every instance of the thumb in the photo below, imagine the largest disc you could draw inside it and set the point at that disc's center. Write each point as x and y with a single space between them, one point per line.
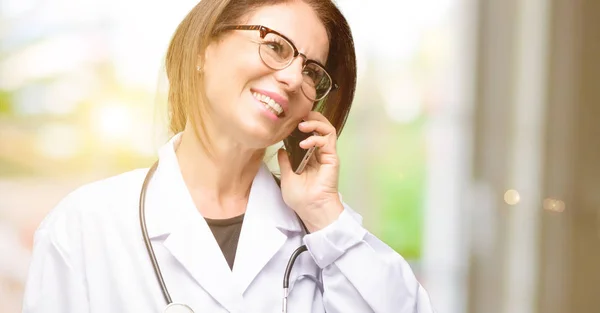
284 163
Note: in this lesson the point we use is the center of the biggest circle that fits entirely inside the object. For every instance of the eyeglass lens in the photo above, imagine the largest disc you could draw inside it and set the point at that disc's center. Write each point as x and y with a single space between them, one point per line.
278 53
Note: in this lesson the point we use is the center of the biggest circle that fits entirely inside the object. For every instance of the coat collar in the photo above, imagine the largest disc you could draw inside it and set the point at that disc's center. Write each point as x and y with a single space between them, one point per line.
172 215
168 188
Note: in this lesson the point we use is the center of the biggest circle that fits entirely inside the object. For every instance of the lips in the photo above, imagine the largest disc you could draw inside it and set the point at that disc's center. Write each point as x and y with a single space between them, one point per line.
273 101
269 103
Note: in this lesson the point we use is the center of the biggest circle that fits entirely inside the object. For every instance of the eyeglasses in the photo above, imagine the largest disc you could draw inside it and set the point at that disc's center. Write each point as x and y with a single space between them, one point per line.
278 52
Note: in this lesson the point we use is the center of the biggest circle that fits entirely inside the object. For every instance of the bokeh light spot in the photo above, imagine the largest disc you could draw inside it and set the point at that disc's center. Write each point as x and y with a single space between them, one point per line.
512 197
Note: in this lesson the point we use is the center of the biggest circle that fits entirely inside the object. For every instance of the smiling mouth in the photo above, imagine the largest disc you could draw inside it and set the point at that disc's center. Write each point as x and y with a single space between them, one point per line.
269 103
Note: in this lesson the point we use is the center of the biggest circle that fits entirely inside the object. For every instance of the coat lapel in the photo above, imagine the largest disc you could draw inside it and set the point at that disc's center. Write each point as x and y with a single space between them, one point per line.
188 238
267 224
171 214
194 246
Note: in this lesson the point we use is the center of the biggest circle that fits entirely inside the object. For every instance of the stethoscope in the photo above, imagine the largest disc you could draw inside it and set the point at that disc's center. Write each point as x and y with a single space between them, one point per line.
182 308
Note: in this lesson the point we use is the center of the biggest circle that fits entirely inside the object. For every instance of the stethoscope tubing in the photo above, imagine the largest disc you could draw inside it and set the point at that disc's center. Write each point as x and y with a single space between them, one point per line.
147 242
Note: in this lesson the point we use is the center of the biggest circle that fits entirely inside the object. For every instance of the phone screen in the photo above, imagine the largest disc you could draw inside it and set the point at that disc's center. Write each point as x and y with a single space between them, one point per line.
298 156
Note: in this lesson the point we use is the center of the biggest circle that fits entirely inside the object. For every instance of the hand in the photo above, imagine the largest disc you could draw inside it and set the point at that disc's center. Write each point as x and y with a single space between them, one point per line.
313 194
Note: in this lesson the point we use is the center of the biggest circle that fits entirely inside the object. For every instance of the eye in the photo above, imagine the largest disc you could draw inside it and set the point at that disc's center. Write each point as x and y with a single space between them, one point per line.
276 46
312 74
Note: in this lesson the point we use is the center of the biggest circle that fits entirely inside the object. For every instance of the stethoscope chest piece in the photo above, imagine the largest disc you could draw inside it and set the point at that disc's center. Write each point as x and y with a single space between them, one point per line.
178 308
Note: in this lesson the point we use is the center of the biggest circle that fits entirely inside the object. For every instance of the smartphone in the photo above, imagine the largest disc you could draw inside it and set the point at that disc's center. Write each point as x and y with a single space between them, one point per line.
298 157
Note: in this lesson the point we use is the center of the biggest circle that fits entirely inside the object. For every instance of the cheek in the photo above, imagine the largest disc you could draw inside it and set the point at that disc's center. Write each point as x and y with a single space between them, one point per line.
224 82
228 78
212 90
300 108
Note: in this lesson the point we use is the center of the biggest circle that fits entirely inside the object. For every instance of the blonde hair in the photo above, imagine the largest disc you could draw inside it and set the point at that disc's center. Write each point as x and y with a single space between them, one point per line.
203 23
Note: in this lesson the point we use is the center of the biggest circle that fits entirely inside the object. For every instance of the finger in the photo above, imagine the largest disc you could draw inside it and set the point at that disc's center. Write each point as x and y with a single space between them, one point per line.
284 163
326 144
314 141
323 128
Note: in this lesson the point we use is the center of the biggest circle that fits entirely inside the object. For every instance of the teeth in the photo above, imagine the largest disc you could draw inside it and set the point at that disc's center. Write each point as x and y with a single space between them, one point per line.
270 103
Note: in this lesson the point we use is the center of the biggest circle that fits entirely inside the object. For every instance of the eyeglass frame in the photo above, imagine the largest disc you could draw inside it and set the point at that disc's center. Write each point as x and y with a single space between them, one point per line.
264 31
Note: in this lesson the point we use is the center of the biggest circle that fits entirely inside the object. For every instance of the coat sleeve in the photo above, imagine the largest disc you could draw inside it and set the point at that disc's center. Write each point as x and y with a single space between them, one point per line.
361 273
55 282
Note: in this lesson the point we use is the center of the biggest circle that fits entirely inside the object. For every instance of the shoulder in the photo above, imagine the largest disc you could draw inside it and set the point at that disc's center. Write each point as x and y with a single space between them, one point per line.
105 196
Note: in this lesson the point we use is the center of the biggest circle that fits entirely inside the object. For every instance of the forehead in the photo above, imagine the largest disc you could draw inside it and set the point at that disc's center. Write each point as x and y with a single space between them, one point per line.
297 21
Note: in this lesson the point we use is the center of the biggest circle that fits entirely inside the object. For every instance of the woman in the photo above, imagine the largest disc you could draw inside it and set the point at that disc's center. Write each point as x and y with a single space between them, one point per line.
243 75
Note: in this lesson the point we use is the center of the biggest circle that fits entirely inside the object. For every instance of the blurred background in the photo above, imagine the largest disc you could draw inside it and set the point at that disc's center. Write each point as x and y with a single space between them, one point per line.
473 146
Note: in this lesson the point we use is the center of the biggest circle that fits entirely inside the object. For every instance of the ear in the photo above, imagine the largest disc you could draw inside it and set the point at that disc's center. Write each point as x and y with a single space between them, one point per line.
199 63
208 55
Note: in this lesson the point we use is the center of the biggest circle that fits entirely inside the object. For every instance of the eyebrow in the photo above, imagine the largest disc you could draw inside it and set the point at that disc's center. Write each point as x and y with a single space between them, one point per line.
319 62
322 64
269 29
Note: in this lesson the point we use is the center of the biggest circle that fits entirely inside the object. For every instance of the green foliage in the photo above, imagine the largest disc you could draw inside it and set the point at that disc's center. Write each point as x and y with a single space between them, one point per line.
5 104
394 170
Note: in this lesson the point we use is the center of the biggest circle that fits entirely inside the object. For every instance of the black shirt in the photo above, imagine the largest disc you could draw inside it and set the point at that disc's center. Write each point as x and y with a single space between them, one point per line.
227 233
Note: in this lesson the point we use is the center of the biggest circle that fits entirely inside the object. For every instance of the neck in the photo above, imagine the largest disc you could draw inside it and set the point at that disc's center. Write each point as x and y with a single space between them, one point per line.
219 182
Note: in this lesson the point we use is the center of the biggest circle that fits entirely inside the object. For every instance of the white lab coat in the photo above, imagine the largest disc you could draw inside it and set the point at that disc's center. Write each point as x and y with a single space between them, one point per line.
89 255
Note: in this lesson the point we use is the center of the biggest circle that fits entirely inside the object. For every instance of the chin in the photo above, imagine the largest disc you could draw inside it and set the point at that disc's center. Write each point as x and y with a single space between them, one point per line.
258 136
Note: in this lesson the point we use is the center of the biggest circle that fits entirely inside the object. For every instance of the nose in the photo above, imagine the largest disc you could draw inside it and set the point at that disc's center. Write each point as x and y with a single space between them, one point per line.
291 76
